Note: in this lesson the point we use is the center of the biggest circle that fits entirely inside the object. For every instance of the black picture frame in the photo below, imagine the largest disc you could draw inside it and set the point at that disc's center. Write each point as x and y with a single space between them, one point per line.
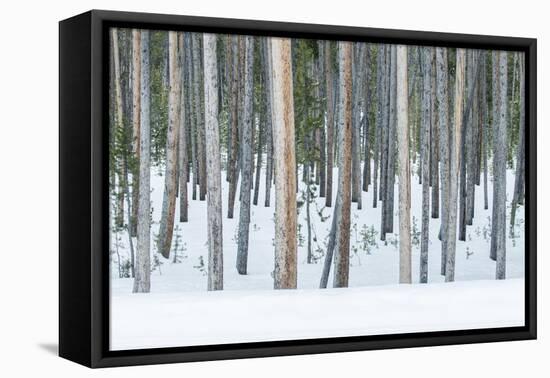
83 193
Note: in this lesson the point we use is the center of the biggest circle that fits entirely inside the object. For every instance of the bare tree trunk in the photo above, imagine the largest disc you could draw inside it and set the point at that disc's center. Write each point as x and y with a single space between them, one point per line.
519 184
484 129
285 275
358 66
434 144
341 261
267 71
246 158
213 169
182 148
199 114
119 124
366 122
425 143
444 145
390 179
166 228
454 167
258 173
330 122
321 92
142 281
404 170
232 169
498 233
136 97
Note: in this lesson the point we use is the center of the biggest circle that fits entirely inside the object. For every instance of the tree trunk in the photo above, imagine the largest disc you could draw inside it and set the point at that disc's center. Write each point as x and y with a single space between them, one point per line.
119 125
498 232
267 71
434 144
213 169
454 167
183 143
425 143
199 114
330 122
285 275
404 170
136 97
341 261
519 184
246 158
232 169
444 145
166 228
358 63
142 281
390 179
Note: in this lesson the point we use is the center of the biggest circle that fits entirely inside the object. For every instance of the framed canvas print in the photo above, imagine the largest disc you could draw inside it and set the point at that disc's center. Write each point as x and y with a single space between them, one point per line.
233 188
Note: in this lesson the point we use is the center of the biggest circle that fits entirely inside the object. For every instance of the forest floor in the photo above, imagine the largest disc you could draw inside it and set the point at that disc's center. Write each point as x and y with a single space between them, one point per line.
174 286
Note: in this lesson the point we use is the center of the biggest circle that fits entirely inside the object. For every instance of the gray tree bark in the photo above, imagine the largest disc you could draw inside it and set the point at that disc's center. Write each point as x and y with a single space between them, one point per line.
136 98
166 227
233 169
213 165
498 233
267 71
330 122
199 114
425 143
183 141
142 280
444 145
246 158
341 261
454 166
519 184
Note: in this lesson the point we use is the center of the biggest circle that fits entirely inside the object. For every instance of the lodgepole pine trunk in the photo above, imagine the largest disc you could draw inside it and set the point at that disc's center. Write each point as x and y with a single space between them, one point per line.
358 67
519 184
442 70
425 143
199 114
142 281
166 227
404 168
119 125
454 166
377 128
330 122
434 144
341 261
136 98
232 169
213 165
267 72
390 180
498 232
183 143
285 274
246 159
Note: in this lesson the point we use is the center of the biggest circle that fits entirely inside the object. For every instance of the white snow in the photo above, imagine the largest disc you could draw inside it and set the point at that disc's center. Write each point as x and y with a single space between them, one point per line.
183 319
178 310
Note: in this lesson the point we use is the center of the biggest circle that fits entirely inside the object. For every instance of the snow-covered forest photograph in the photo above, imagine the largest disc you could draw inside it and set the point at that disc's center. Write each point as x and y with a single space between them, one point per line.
266 188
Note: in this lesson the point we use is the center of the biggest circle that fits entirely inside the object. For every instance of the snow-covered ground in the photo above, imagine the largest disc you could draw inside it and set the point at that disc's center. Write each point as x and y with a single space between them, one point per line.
182 319
179 304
